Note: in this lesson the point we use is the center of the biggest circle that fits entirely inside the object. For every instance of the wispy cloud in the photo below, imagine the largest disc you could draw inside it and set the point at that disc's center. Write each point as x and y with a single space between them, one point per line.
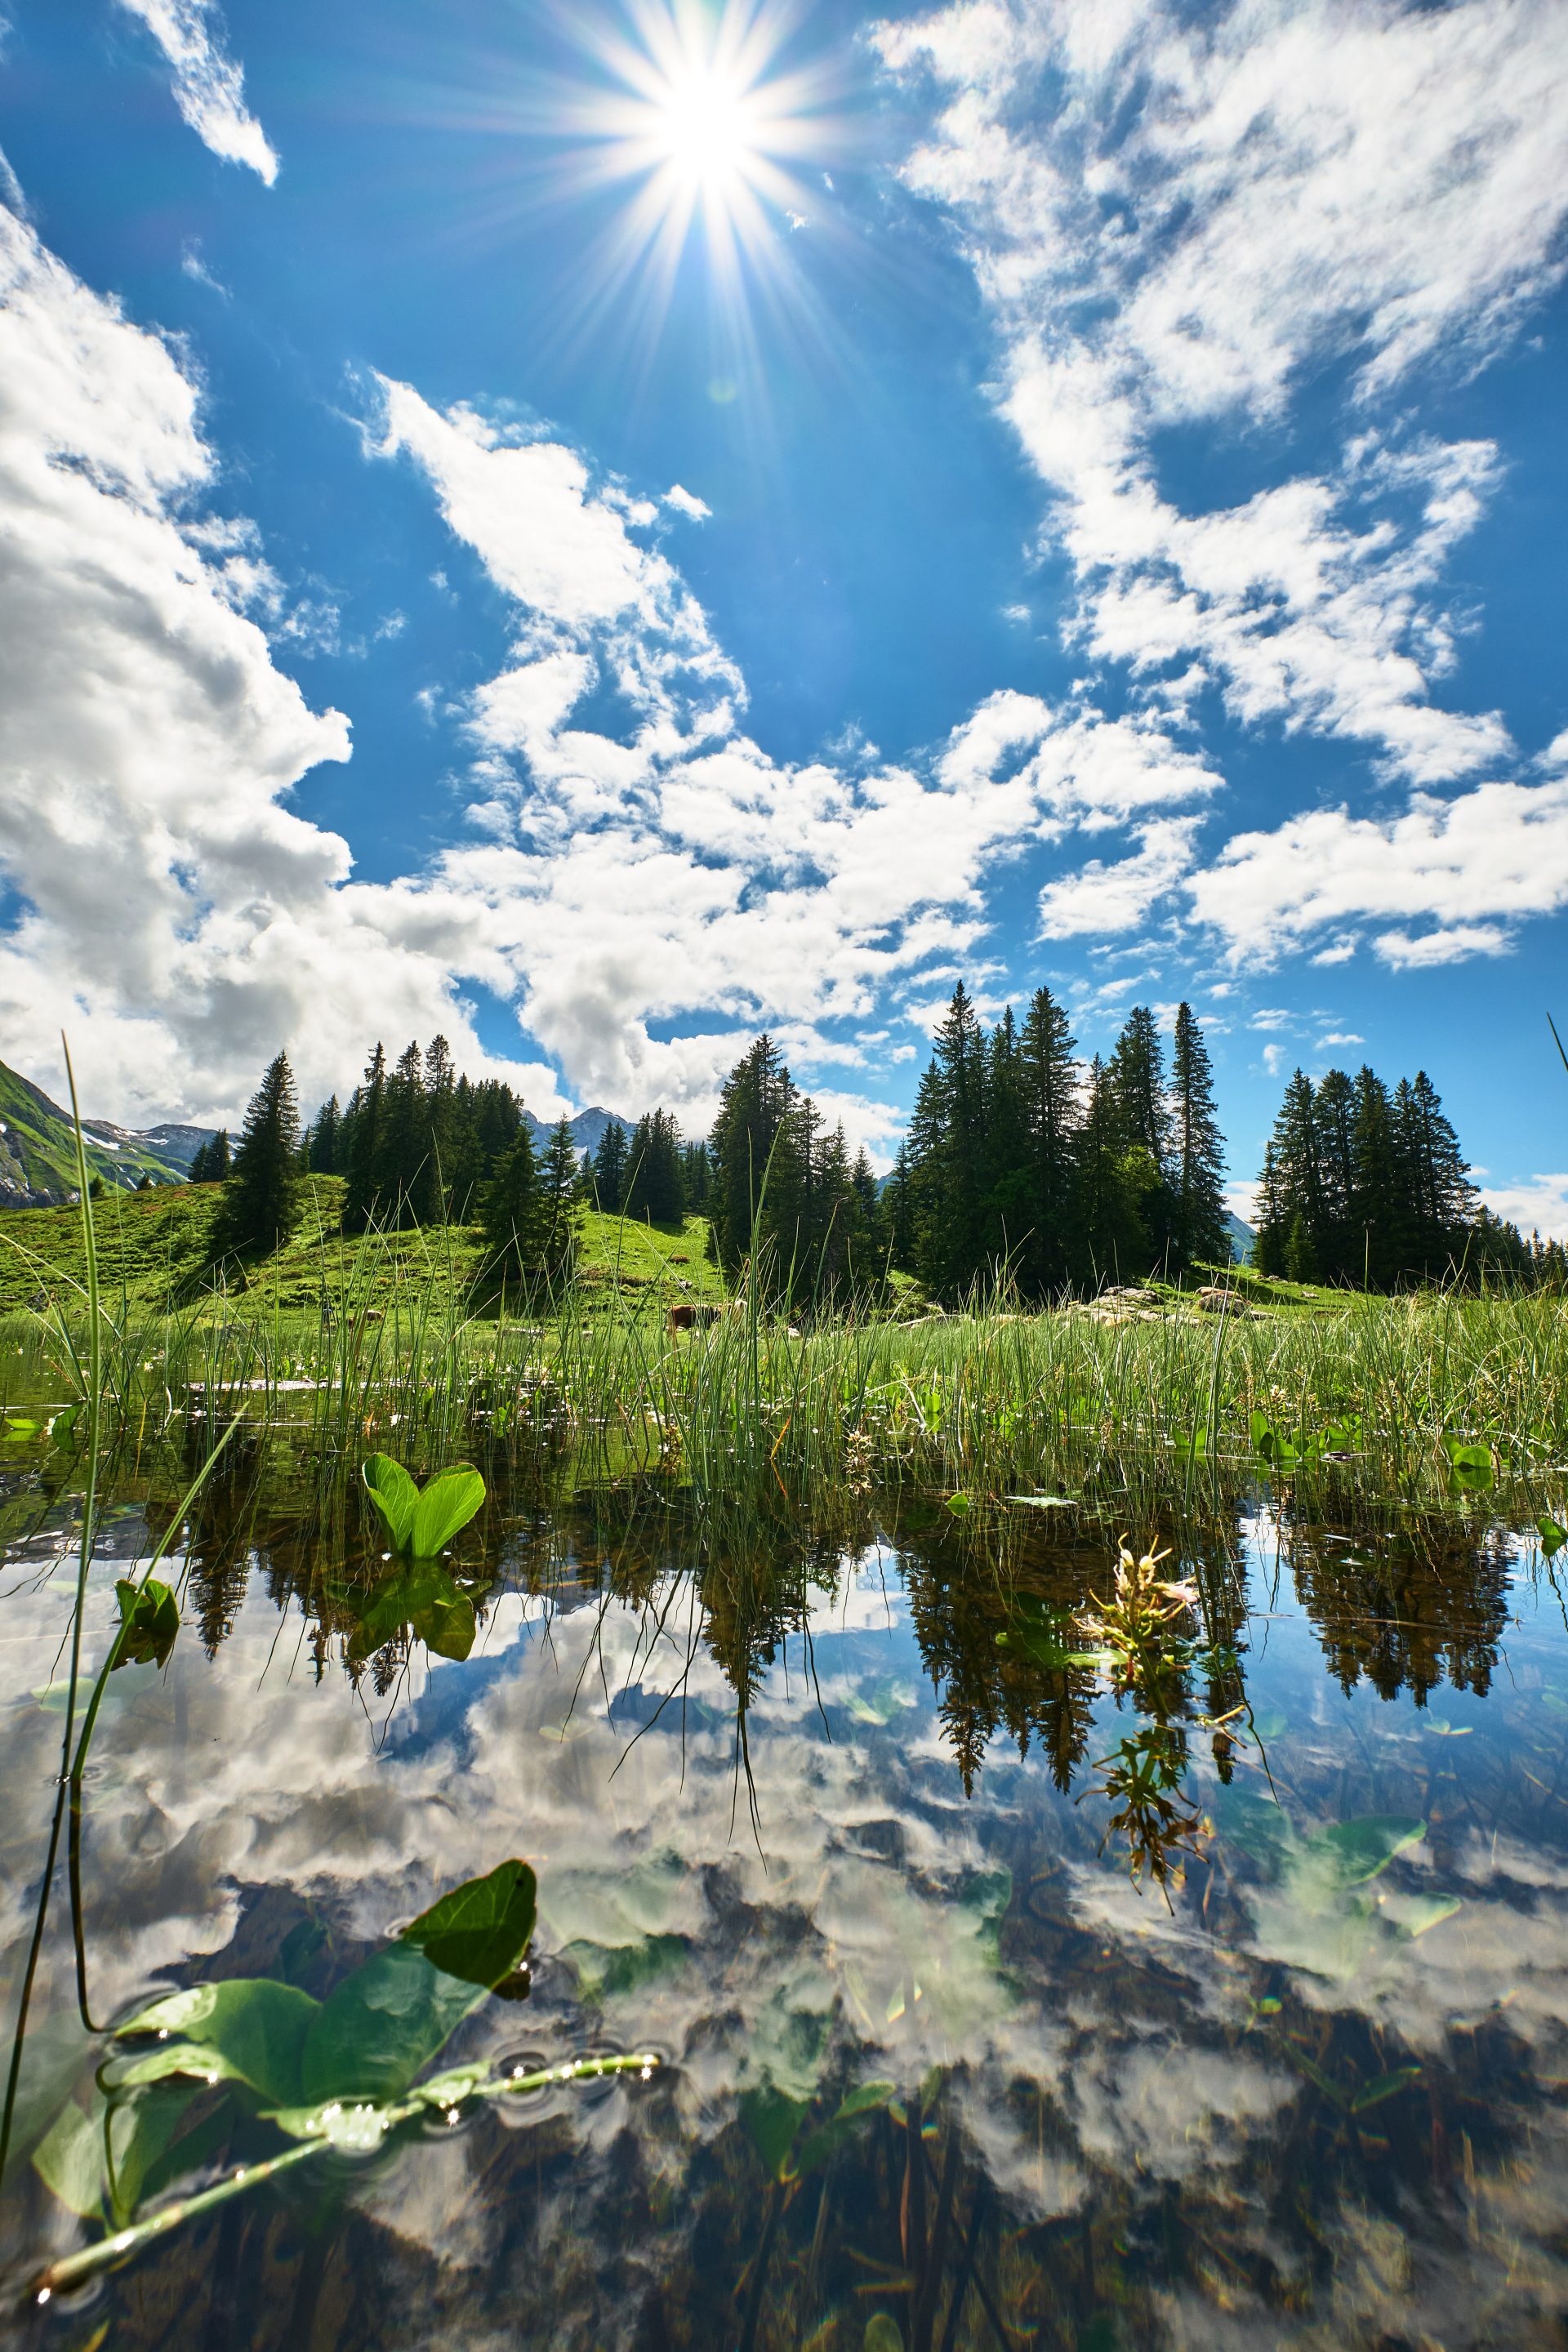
1175 217
209 87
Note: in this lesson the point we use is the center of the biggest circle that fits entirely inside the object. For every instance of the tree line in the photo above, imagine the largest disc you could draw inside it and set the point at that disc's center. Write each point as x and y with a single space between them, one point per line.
1023 1164
1366 1184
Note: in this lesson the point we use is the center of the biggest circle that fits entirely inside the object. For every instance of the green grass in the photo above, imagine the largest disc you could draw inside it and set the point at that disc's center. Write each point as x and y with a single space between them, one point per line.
988 1405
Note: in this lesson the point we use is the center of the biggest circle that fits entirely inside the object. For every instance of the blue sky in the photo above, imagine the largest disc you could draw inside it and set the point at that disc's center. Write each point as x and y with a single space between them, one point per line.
601 529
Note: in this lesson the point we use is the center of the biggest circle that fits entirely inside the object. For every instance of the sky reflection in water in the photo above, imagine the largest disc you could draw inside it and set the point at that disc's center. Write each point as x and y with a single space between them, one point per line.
1315 2099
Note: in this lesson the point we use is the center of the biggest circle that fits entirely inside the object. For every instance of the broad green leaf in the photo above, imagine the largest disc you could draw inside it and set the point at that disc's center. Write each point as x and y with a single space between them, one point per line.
259 2029
52 2057
770 2119
200 2062
394 1494
1415 1913
62 1428
149 1617
142 2133
480 1931
1470 1466
19 1427
1553 1537
883 2334
960 1505
373 2033
448 1503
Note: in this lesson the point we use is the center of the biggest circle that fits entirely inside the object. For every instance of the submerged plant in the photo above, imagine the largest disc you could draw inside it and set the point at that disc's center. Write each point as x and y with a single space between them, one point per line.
1135 1623
423 1521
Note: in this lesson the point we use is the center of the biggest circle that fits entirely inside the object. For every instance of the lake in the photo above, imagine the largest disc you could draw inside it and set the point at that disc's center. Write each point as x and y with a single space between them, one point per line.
993 1988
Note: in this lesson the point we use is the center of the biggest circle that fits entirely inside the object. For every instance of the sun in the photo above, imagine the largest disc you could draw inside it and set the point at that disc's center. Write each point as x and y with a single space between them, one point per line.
710 129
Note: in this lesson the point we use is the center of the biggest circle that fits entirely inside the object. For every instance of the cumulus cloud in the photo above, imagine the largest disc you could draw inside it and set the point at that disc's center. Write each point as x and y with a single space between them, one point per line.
1538 1205
1175 220
1501 847
209 87
639 880
178 918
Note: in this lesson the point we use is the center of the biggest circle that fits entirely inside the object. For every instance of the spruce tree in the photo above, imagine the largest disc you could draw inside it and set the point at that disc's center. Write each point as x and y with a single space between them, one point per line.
1337 1239
1010 1223
261 1199
1136 1076
558 1201
610 1170
948 1157
1200 1228
1115 1178
753 1155
1271 1225
362 1199
323 1139
514 1220
1377 1198
654 1188
1053 1101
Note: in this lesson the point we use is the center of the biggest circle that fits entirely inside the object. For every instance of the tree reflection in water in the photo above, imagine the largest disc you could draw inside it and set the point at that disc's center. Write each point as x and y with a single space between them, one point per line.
818 1812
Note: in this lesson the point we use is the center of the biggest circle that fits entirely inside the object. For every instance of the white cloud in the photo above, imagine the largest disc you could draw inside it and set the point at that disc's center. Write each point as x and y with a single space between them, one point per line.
180 919
1501 850
1107 899
1538 1205
209 87
688 503
1339 1038
1176 217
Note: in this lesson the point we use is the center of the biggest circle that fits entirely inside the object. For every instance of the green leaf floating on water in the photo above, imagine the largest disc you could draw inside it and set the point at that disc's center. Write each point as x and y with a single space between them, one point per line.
1553 1537
960 1505
373 2034
149 1618
422 1522
770 2119
256 2028
480 1931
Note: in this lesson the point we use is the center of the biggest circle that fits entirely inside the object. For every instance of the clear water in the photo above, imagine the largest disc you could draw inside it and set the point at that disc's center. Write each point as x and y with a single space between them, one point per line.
803 1825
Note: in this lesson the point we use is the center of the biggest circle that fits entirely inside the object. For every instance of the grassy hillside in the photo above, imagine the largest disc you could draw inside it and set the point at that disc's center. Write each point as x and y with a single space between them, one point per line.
155 1251
38 1152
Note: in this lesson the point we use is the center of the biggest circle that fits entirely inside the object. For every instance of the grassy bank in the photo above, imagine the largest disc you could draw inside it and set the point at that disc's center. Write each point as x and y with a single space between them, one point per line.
1377 1393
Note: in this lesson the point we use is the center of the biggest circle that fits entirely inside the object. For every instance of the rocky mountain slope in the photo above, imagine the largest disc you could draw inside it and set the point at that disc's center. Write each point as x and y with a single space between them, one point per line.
37 1151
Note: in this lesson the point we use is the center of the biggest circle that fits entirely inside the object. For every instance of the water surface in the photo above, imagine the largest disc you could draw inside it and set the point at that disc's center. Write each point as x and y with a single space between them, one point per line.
827 1819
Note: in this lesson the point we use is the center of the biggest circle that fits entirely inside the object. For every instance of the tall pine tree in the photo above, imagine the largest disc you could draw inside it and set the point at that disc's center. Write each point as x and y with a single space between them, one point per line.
1199 1225
261 1199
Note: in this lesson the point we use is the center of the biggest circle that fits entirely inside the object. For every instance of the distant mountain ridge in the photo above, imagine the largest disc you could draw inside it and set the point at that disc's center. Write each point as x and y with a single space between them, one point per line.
587 1128
38 1149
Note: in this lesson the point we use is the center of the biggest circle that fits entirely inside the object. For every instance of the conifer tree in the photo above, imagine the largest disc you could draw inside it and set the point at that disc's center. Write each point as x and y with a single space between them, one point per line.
1010 1220
1117 1176
1136 1080
610 1170
513 1219
1199 1226
754 1156
261 1199
948 1157
653 1187
896 1215
210 1164
1054 1113
323 1139
366 1146
1270 1226
558 1200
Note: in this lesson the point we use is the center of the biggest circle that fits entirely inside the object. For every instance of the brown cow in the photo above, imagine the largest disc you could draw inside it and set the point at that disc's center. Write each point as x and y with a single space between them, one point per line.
689 1316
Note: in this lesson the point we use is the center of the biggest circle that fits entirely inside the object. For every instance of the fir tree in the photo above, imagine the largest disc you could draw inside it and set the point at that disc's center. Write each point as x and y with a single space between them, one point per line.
1136 1076
654 1189
948 1157
1199 1229
364 1146
325 1137
1117 1177
1054 1113
558 1202
261 1199
753 1155
610 1170
211 1162
512 1217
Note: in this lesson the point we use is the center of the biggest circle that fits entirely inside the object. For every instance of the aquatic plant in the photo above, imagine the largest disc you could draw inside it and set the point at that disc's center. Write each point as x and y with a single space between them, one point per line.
422 1523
